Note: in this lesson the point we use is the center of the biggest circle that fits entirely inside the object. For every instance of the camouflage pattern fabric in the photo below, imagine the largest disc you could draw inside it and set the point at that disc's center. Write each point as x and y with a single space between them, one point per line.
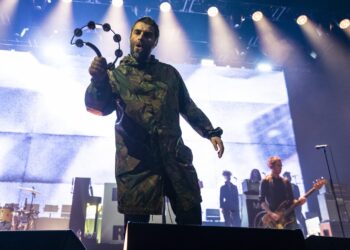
151 159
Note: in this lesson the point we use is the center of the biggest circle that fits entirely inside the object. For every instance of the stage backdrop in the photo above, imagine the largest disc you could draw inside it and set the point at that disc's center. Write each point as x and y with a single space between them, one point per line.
47 138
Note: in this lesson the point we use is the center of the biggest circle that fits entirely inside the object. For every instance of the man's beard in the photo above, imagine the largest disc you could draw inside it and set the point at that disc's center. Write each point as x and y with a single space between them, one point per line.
140 56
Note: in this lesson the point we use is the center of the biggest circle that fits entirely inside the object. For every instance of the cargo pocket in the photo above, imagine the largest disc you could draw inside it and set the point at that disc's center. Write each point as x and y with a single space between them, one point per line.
183 154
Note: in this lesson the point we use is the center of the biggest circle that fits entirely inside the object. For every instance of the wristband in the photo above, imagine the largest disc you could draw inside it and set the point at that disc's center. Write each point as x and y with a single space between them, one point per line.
215 132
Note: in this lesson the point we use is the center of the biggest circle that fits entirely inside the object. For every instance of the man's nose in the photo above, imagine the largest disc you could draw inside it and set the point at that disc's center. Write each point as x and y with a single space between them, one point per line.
141 36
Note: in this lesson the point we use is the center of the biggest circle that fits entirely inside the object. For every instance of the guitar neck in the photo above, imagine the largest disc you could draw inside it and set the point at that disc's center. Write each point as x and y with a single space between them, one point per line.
307 194
316 186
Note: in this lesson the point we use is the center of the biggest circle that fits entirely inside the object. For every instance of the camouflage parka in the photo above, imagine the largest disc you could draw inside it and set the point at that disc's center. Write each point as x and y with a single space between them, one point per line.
151 159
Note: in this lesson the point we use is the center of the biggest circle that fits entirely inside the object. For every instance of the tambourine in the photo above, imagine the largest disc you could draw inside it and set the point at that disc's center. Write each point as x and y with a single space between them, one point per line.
78 32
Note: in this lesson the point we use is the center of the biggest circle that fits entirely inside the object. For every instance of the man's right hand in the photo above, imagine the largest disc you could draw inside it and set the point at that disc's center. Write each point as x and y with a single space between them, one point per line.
274 216
98 69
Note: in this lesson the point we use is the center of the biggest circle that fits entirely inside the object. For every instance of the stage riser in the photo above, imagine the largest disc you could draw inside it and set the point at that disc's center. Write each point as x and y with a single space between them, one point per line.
171 237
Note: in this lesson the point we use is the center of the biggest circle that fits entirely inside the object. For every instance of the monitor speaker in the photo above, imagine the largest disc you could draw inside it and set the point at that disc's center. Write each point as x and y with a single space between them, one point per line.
327 243
40 240
162 236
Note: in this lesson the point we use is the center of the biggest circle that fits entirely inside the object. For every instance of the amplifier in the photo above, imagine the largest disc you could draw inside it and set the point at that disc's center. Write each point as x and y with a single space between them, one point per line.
334 229
328 209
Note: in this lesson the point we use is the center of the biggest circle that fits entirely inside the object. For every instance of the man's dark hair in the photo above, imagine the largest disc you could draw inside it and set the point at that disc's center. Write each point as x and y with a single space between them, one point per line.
287 174
149 21
226 173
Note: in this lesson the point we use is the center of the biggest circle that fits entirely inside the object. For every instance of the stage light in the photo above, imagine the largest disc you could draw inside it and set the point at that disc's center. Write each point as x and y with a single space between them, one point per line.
117 3
172 33
257 16
313 54
264 67
165 7
40 4
344 24
302 19
213 11
224 42
67 1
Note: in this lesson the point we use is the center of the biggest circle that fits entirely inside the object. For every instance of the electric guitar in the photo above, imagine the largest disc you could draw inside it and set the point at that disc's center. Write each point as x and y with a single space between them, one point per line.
284 210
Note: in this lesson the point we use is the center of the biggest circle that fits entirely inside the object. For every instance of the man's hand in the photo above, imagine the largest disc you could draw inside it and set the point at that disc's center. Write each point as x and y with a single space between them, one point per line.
274 216
98 69
218 145
301 200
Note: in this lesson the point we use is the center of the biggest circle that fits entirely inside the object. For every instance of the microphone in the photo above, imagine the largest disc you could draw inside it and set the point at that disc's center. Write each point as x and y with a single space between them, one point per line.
321 146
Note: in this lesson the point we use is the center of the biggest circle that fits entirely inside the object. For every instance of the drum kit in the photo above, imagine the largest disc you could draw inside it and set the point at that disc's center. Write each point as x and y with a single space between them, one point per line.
14 218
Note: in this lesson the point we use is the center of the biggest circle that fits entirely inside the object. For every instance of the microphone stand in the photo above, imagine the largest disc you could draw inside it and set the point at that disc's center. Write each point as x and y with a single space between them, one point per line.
31 202
163 211
333 192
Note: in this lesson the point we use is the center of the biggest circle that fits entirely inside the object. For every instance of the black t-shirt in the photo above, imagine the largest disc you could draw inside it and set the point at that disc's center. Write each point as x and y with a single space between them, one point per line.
274 191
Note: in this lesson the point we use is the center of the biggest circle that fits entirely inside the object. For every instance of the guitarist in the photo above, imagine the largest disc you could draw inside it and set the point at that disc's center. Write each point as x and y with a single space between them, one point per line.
275 190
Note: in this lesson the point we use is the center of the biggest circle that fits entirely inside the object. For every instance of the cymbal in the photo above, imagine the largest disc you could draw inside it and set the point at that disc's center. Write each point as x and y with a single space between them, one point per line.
29 190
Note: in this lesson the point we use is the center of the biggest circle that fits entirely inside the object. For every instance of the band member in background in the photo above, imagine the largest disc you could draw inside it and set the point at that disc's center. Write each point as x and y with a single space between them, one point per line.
299 215
255 176
229 202
274 192
251 188
151 158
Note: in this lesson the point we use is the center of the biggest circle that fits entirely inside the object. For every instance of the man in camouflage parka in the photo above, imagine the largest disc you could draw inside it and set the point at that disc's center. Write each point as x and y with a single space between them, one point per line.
151 159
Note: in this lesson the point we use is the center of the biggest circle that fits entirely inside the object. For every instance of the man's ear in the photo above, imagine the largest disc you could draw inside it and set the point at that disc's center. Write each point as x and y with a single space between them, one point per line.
155 43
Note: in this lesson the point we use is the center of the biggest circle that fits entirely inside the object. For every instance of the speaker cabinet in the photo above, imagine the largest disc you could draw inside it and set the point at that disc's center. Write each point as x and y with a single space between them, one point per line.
328 208
112 231
334 229
40 240
170 237
79 200
327 243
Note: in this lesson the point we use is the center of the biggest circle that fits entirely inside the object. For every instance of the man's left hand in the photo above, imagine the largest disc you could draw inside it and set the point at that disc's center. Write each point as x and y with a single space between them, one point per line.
218 145
301 200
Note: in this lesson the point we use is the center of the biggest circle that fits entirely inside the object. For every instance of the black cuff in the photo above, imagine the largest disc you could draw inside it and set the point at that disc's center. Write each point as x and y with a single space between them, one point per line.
214 133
